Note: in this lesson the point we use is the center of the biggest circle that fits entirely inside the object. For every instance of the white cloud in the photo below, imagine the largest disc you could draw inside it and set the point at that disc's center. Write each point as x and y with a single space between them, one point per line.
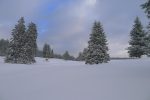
91 2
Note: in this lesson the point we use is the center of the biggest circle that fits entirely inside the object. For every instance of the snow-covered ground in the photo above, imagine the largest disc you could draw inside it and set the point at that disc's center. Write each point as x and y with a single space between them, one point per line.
70 80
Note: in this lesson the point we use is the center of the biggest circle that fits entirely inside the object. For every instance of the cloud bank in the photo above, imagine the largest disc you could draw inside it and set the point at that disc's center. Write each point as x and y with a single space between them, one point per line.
66 24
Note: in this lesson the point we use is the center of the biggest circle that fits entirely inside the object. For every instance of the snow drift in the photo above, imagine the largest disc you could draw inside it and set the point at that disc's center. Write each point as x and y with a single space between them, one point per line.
71 80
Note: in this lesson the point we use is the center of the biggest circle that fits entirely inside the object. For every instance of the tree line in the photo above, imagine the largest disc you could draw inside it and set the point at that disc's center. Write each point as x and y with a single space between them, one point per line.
22 47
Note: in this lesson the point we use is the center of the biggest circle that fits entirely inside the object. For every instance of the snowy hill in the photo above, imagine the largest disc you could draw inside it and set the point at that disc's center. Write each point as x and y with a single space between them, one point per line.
71 80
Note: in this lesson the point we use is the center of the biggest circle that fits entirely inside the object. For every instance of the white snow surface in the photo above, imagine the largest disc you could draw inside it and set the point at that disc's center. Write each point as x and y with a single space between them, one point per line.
71 80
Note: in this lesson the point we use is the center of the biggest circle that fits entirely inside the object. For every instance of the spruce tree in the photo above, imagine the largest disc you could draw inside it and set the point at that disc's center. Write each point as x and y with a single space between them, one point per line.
97 46
22 46
147 42
66 56
137 40
30 43
16 52
146 7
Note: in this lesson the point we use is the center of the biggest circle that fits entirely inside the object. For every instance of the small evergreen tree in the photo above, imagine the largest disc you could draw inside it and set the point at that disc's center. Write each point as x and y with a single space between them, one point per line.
66 56
97 46
137 42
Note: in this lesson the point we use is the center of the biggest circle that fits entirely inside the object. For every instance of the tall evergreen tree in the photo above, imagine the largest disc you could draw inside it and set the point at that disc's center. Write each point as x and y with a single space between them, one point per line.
137 42
146 7
147 50
97 46
30 43
15 50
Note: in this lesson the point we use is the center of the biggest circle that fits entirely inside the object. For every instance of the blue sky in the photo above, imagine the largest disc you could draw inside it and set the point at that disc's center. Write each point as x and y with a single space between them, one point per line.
66 24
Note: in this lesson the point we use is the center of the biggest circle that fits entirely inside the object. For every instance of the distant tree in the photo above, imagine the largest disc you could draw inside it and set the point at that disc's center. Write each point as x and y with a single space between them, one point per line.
52 54
58 56
67 56
137 41
16 51
46 51
97 46
85 51
82 55
3 47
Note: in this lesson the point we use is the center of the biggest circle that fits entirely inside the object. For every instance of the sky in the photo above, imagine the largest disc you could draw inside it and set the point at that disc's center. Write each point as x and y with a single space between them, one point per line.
67 24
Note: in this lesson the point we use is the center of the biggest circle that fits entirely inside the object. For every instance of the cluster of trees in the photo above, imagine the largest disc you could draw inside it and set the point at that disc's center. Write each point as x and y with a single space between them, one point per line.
67 56
140 39
49 53
22 46
97 46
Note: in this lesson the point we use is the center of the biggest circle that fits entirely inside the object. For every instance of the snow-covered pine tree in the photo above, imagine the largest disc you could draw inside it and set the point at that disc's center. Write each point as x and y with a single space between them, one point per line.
46 51
97 46
30 43
16 52
147 50
137 42
146 7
